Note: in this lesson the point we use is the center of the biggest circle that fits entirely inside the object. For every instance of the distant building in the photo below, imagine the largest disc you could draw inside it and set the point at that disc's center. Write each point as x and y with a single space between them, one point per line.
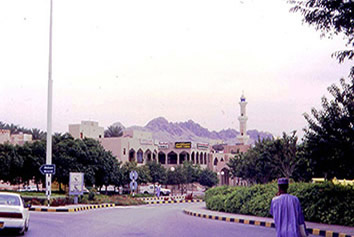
21 138
14 139
88 129
4 136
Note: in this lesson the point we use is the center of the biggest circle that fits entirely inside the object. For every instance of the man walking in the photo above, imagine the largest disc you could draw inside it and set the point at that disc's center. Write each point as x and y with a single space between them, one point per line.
286 211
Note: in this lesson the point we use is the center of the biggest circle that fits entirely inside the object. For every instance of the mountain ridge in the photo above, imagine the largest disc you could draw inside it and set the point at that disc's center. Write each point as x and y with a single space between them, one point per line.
165 131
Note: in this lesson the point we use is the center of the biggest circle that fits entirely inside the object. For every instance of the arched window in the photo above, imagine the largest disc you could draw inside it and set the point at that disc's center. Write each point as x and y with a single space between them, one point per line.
131 155
139 156
162 158
172 158
216 162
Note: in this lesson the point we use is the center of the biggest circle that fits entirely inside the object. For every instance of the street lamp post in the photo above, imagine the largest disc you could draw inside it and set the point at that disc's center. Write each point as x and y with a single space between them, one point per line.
172 169
48 177
222 177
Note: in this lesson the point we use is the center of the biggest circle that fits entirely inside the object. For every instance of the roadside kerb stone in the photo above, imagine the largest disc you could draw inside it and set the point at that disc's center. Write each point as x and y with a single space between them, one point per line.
162 198
176 201
326 230
70 208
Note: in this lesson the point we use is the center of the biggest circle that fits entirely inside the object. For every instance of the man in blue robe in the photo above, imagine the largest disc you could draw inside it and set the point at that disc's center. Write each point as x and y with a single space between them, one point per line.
286 211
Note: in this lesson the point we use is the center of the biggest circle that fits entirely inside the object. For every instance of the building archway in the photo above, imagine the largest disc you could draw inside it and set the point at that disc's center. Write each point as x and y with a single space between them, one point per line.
205 158
148 155
162 158
131 155
201 158
139 156
215 161
154 155
172 158
192 158
224 176
197 158
183 156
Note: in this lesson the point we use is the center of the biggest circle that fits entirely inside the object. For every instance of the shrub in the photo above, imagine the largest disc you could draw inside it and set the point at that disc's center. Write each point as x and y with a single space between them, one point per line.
325 202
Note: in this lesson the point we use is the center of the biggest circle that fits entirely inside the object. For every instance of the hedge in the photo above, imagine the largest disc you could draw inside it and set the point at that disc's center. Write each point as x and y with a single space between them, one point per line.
324 202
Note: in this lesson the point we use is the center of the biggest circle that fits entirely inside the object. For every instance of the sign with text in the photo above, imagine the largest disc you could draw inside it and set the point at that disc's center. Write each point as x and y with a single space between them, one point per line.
76 183
203 146
47 169
163 145
183 145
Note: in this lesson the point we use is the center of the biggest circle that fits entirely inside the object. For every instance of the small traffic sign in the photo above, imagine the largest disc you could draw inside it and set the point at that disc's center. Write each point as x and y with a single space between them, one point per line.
47 169
133 185
133 175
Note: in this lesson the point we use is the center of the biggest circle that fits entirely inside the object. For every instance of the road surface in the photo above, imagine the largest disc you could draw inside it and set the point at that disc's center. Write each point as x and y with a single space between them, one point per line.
147 220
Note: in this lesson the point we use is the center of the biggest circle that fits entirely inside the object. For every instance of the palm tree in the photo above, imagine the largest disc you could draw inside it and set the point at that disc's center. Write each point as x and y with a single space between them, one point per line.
37 134
113 131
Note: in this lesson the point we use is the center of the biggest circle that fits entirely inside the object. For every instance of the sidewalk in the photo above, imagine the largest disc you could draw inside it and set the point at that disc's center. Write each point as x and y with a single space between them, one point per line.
200 210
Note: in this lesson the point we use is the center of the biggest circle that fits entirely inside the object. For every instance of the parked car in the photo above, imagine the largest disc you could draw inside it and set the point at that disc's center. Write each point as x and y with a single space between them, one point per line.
14 214
151 189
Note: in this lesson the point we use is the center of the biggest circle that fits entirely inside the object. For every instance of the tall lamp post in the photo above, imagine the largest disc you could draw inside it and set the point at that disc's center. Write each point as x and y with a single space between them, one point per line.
48 177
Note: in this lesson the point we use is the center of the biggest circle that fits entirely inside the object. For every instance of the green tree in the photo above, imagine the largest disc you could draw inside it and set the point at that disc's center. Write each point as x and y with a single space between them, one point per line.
329 137
157 172
10 164
331 18
256 164
191 172
143 173
285 156
208 178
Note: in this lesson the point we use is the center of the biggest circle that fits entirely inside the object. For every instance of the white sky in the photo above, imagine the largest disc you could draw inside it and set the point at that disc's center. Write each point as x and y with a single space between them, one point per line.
132 61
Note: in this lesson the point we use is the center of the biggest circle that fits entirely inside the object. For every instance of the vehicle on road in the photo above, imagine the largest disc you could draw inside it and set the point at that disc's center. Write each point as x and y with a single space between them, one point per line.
14 214
151 189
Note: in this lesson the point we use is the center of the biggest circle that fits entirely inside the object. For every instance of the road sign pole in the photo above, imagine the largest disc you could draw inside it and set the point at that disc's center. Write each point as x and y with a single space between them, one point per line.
48 180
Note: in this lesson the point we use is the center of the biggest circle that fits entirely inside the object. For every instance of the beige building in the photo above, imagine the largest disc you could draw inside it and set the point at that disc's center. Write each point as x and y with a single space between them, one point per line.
88 129
139 146
15 139
4 136
220 160
21 138
134 145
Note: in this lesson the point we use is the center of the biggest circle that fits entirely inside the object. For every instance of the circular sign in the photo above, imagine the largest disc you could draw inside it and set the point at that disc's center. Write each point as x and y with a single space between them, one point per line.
133 185
133 175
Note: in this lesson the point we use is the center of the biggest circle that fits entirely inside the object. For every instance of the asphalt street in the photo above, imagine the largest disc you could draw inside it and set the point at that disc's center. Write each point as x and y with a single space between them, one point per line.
148 220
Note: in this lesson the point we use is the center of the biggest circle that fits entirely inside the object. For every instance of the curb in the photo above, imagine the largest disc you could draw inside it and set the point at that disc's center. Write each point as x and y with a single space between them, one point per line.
161 198
312 231
76 209
177 201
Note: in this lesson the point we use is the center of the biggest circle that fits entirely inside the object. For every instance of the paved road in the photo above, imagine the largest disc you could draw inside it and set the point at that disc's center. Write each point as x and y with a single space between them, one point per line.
149 220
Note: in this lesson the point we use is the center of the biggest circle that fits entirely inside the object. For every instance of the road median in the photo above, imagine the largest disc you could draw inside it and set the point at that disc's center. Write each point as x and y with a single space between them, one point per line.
70 208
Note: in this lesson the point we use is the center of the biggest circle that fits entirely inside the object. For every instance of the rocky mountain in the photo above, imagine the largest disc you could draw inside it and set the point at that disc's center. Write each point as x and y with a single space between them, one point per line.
166 131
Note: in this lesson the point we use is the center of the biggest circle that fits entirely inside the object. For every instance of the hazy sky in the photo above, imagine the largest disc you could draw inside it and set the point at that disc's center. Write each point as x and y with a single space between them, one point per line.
132 61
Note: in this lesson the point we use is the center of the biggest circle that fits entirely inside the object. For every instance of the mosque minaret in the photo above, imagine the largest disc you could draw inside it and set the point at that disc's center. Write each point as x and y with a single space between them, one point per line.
243 137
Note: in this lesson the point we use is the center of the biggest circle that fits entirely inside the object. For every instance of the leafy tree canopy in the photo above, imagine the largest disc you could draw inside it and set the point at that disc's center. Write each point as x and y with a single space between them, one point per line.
331 17
329 138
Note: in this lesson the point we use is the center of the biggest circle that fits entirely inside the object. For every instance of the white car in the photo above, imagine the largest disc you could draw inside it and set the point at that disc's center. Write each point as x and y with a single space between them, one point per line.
13 212
150 189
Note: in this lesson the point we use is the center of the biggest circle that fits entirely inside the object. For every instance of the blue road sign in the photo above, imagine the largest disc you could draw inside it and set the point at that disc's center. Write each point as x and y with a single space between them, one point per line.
133 186
133 175
47 169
